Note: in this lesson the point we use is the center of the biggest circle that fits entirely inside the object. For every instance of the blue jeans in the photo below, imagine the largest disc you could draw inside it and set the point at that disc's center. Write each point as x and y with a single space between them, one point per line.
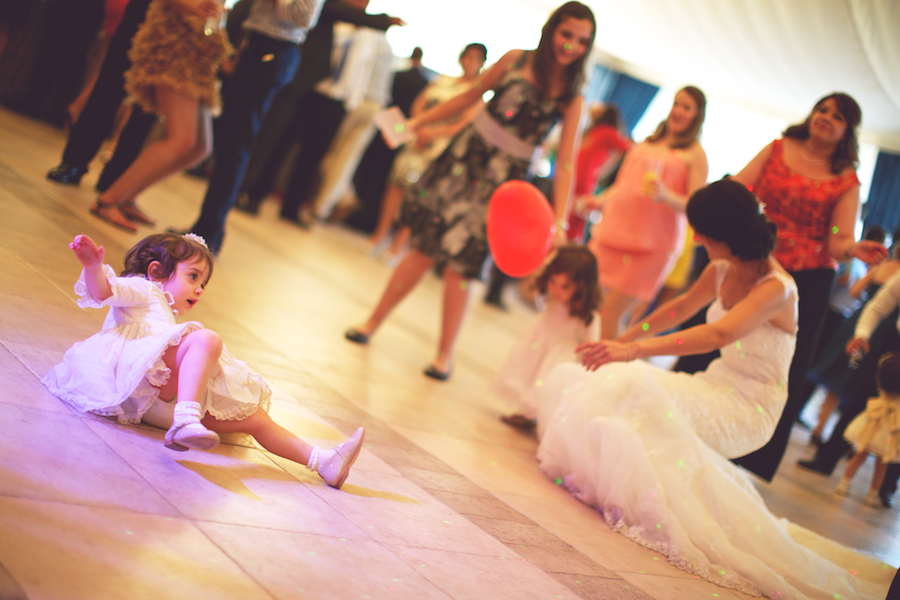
266 65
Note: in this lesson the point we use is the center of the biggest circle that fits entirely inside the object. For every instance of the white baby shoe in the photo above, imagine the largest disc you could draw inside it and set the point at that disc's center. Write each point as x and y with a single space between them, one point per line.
333 465
187 432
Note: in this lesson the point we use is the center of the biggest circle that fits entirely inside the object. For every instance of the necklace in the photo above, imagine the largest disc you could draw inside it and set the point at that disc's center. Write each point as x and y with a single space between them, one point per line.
806 157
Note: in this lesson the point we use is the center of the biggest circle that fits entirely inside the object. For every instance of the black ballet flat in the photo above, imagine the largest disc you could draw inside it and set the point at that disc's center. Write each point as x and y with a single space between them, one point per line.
519 421
434 373
356 336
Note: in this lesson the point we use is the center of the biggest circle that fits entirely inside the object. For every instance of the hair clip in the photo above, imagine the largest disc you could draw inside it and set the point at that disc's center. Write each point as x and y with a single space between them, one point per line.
195 238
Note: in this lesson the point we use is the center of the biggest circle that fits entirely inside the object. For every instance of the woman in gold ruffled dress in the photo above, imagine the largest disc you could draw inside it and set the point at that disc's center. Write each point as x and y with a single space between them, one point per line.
175 57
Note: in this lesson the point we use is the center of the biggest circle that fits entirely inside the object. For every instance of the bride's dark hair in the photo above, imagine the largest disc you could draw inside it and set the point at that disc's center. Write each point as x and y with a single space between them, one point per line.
726 211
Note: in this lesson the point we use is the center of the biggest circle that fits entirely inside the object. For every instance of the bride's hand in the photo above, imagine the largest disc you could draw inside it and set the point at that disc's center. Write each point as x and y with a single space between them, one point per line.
596 354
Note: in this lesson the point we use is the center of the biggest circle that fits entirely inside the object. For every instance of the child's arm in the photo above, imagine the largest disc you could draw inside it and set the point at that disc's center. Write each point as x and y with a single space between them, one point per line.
91 257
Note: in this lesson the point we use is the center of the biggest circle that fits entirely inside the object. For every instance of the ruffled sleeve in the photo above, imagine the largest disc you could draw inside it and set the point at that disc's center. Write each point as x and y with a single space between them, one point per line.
126 291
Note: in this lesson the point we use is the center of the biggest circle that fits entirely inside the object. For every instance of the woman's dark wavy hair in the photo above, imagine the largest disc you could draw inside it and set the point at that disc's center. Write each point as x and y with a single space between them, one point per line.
543 55
887 377
847 152
579 264
683 140
726 211
168 249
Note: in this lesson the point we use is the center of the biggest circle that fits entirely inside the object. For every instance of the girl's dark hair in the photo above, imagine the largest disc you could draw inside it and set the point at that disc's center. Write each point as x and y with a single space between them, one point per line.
875 233
888 375
543 55
608 116
168 249
847 152
579 264
726 211
688 137
476 46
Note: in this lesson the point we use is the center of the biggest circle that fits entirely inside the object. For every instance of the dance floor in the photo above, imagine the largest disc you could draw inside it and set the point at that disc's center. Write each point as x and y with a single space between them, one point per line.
445 501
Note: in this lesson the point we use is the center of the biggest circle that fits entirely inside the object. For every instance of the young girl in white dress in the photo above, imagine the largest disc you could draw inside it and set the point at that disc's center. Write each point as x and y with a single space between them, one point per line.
649 448
876 430
569 318
143 365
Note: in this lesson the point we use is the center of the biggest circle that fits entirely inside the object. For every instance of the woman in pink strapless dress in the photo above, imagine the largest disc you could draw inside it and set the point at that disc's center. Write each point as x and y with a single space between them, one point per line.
643 223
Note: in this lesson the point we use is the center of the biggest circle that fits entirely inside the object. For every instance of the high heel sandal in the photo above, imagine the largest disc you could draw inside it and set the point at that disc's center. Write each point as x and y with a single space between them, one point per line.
112 214
133 213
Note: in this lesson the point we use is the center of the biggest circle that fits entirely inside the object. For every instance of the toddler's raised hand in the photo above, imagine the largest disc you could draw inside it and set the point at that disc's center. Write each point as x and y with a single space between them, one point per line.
89 253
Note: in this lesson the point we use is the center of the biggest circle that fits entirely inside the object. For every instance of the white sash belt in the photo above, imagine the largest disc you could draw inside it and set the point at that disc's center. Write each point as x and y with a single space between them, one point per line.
494 134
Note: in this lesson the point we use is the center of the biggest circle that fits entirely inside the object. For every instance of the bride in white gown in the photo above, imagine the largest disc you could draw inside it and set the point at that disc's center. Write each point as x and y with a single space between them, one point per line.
649 448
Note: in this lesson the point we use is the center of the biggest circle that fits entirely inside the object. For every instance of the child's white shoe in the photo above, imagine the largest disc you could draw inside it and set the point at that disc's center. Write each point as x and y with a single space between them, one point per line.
187 432
843 487
872 499
333 465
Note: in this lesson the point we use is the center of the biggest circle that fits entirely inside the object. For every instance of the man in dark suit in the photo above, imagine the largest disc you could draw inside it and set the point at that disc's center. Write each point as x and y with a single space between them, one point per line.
96 120
372 173
286 120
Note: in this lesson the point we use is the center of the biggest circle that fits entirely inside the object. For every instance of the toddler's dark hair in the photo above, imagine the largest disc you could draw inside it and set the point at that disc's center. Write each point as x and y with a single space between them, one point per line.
168 249
888 375
579 264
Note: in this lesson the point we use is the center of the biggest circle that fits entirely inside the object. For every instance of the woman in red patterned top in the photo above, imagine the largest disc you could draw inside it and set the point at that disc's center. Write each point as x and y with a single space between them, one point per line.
807 182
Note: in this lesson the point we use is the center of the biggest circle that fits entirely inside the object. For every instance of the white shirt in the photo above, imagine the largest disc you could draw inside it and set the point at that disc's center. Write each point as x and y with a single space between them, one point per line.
286 20
886 300
361 67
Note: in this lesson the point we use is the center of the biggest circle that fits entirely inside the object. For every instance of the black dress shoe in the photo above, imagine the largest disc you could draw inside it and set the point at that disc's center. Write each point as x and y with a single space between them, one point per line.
887 500
815 466
65 173
247 204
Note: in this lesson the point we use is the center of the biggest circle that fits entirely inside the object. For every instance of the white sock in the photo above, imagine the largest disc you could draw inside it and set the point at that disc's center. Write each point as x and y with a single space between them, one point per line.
186 412
313 463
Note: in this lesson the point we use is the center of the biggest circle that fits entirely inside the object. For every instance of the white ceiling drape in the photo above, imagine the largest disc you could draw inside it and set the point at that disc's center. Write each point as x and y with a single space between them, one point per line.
774 57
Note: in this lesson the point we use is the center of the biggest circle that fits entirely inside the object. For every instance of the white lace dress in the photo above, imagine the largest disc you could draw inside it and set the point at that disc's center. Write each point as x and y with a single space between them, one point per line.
550 339
116 371
648 449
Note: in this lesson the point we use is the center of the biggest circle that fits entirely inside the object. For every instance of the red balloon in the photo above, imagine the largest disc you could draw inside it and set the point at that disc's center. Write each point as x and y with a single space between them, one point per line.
520 228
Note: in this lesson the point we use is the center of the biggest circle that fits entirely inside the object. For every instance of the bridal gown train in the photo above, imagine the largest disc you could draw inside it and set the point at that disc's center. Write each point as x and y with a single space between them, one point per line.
649 449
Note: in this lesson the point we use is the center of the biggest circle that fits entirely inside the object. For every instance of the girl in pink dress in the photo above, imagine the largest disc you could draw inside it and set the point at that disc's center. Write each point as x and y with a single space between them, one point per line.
568 319
643 222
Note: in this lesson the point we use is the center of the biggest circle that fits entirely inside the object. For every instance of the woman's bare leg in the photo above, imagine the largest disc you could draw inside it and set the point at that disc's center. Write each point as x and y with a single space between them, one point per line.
187 138
828 405
401 239
456 304
405 277
390 202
